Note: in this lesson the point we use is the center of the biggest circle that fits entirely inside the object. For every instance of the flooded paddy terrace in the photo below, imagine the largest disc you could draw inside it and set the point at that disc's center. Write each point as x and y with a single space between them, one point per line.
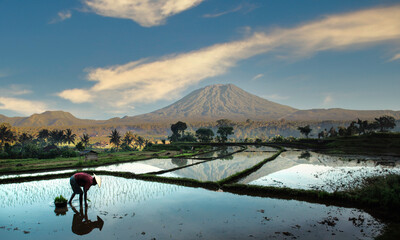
131 208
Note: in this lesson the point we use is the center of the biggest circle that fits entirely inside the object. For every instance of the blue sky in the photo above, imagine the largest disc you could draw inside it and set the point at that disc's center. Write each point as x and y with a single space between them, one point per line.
106 58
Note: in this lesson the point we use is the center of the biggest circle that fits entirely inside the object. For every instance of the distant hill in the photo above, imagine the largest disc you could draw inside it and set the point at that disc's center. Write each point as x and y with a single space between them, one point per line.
338 114
208 104
215 102
48 118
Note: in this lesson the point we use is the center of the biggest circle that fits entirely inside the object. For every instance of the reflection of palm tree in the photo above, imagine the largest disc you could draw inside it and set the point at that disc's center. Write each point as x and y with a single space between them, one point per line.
179 161
305 155
81 224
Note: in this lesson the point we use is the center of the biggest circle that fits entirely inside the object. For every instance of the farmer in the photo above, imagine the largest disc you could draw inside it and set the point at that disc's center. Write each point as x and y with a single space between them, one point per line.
84 180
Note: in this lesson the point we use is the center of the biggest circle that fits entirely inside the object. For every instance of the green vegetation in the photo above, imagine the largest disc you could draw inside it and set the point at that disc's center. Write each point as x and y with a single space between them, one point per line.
60 199
382 191
305 130
204 134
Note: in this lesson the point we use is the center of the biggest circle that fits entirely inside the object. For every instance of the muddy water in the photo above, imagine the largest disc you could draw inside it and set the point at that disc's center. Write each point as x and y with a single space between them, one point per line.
219 169
134 209
309 170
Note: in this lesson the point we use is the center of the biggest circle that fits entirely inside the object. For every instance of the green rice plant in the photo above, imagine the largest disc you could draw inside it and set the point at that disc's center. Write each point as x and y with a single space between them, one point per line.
60 199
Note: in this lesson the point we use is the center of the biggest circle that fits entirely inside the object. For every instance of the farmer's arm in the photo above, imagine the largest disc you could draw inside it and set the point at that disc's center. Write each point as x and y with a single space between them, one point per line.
85 195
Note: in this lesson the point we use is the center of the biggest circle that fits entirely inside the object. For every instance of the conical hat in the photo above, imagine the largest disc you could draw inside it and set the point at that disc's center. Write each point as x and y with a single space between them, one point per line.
98 180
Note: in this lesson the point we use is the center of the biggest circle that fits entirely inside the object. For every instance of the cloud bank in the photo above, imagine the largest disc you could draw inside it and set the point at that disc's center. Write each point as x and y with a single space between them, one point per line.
23 106
147 13
122 86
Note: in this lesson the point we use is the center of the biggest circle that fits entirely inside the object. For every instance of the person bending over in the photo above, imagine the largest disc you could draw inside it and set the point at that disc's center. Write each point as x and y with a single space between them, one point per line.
84 180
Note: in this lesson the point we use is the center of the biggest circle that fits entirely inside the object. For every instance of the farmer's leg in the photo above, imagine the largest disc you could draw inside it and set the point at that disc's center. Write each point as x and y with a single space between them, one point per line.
75 188
80 199
72 197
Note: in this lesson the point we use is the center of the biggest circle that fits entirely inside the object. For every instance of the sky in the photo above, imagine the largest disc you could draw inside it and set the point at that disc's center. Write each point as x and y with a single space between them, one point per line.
100 59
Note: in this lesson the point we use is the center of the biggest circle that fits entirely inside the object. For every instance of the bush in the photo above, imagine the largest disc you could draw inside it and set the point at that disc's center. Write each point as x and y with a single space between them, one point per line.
68 152
53 153
3 155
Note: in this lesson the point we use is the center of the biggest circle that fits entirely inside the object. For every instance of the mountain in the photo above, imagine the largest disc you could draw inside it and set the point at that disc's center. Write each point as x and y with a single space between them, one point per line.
216 102
48 118
208 104
338 114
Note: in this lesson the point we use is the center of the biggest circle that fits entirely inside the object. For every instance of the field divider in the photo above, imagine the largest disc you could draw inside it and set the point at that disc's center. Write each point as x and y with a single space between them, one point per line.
239 175
193 164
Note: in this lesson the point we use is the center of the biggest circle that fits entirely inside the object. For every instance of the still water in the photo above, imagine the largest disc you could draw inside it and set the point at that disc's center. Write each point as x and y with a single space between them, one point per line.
134 209
309 170
222 168
146 166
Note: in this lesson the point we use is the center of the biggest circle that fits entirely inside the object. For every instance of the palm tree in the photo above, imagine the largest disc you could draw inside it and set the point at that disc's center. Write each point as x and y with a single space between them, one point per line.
85 139
69 136
24 138
140 142
115 138
128 138
57 136
43 134
6 135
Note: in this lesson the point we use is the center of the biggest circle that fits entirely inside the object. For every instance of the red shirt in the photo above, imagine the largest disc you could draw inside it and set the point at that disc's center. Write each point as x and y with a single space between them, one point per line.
84 180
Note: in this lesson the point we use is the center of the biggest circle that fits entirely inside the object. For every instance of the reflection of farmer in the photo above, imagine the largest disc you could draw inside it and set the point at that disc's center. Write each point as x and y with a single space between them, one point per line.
84 180
81 225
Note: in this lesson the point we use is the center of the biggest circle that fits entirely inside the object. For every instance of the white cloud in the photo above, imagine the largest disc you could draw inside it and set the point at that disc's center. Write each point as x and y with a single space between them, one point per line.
257 76
327 100
147 13
214 15
245 7
14 90
143 81
395 57
76 95
23 106
62 16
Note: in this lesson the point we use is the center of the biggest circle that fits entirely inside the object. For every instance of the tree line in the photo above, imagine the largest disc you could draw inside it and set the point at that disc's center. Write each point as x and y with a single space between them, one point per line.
57 142
360 127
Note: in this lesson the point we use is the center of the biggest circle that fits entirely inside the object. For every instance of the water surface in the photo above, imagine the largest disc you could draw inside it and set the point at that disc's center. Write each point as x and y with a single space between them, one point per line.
221 168
309 170
134 209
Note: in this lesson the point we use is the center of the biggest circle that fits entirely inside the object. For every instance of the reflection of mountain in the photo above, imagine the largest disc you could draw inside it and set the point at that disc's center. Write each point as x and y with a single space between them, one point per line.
219 169
145 166
292 158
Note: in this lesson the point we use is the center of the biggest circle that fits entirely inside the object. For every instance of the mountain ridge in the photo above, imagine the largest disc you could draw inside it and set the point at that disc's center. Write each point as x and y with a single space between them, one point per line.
207 104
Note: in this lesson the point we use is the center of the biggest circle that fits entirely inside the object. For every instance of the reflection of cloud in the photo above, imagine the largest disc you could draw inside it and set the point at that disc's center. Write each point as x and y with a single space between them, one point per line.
61 16
257 76
275 97
21 105
144 81
147 13
395 57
